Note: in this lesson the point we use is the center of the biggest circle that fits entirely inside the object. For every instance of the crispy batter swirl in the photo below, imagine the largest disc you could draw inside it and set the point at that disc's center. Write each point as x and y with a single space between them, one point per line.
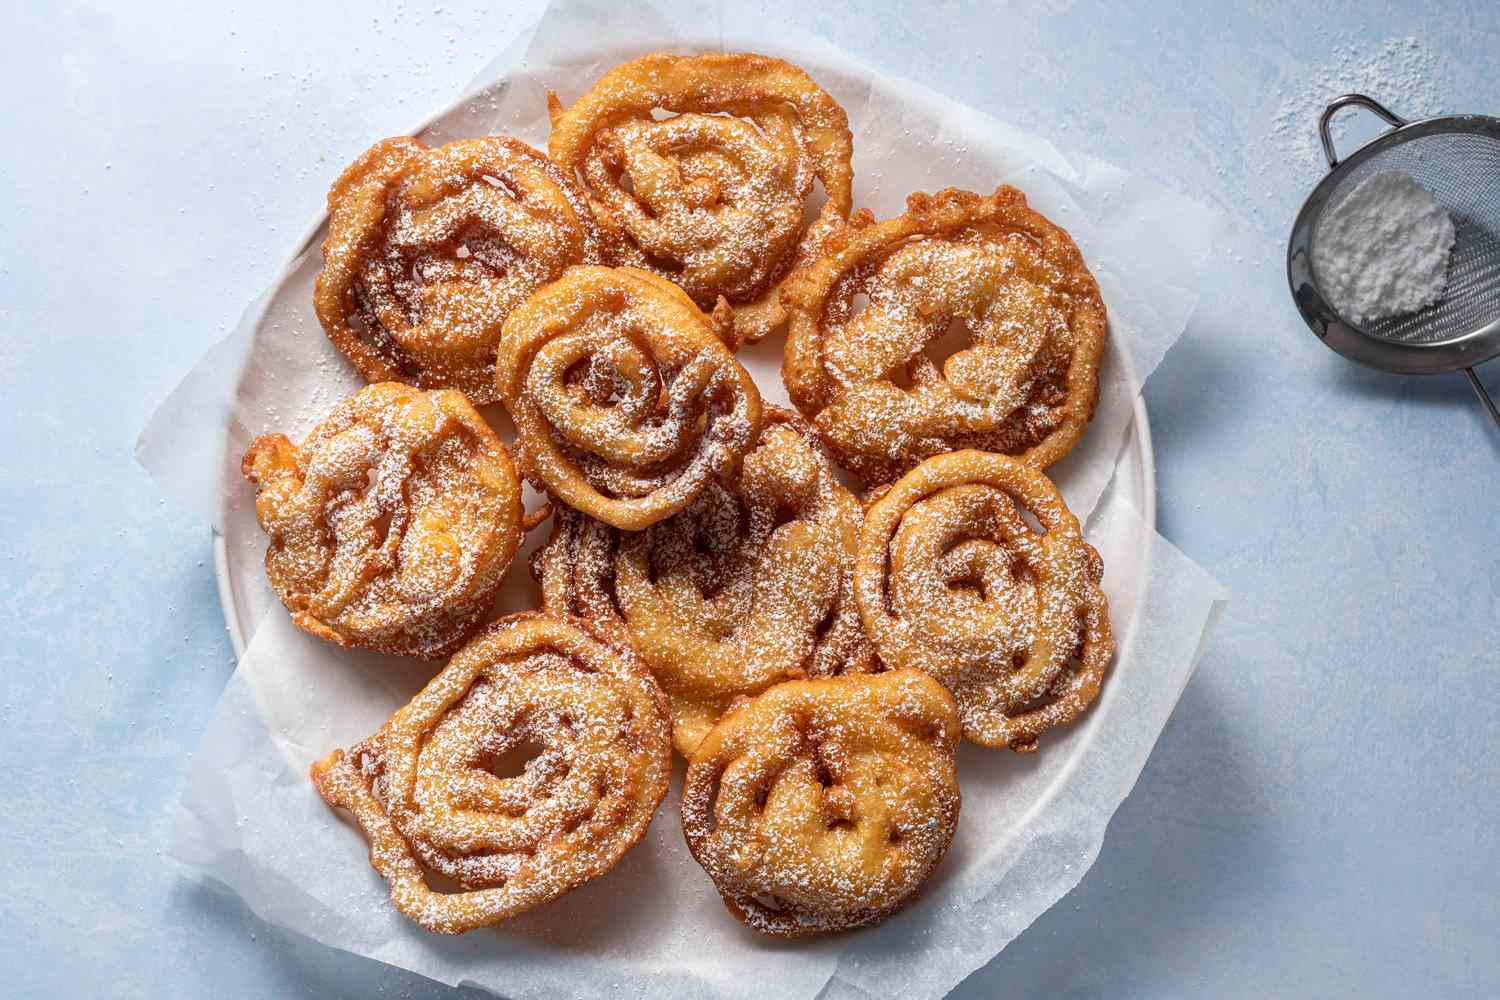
626 402
1025 384
953 580
391 525
752 584
429 250
424 792
713 196
824 805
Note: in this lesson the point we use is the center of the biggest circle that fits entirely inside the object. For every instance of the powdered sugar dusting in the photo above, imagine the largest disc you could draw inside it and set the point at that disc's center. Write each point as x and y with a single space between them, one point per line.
429 250
824 805
864 314
391 525
424 791
703 166
1401 74
954 579
750 585
626 402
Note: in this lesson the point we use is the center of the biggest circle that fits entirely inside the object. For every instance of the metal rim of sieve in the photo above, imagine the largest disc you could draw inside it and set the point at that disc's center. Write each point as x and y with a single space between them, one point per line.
1459 353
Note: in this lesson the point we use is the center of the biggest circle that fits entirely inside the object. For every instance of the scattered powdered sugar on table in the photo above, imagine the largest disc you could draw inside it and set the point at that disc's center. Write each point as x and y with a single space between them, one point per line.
1383 250
1400 75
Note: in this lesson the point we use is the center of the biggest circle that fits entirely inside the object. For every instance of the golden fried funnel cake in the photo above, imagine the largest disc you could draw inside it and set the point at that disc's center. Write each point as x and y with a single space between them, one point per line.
713 196
391 525
1027 380
823 805
626 402
429 249
425 791
951 579
752 584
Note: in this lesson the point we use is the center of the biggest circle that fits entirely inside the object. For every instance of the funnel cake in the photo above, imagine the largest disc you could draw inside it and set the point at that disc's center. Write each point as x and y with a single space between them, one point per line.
429 249
752 584
425 791
391 525
626 402
1026 381
712 197
824 805
953 580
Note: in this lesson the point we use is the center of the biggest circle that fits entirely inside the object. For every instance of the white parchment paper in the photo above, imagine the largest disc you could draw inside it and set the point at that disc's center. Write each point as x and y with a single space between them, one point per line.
1028 830
1030 827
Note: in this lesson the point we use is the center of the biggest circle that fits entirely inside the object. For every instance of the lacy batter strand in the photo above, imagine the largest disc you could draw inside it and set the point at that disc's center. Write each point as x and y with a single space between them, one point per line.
1024 384
391 525
429 250
626 402
824 805
952 579
425 791
712 196
751 585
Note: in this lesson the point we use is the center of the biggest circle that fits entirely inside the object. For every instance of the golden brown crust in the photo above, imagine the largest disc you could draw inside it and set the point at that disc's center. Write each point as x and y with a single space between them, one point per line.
423 790
391 526
1027 381
712 197
824 805
626 402
429 249
952 580
751 585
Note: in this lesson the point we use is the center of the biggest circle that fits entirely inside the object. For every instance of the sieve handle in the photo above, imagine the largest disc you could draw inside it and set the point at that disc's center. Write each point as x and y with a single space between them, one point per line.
1347 101
1484 397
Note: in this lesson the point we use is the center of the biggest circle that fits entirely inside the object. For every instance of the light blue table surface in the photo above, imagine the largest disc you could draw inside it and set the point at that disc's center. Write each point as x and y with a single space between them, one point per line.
1320 815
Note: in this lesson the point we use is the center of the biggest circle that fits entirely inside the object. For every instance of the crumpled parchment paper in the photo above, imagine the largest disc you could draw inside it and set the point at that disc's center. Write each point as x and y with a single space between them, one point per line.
1030 826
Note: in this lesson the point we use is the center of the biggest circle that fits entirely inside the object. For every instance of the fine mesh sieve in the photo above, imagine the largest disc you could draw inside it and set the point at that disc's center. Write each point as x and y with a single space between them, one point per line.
1457 158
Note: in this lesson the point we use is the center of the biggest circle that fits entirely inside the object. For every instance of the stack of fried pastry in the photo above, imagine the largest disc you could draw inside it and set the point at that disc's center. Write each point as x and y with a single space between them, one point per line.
810 605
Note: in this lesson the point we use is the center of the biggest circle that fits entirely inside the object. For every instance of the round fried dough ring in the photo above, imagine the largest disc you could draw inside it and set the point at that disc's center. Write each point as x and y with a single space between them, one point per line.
429 249
952 579
824 805
751 585
1028 380
423 791
391 525
626 402
712 197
